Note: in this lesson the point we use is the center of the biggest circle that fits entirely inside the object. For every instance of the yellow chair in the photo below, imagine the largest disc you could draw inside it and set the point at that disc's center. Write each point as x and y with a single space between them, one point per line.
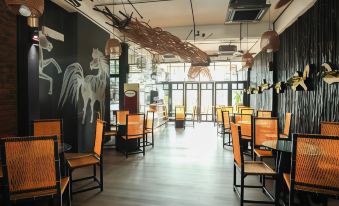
226 128
93 159
135 129
329 128
247 168
287 126
179 116
314 166
149 127
31 169
48 127
262 113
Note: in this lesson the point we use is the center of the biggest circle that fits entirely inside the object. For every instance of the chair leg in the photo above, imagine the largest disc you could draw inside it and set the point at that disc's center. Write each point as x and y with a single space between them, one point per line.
263 182
59 200
143 147
71 182
291 199
126 152
152 138
94 172
69 202
223 140
242 189
234 177
101 176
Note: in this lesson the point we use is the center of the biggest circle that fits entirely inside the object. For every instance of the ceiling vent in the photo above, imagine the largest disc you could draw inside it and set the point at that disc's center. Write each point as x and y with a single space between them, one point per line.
246 11
227 49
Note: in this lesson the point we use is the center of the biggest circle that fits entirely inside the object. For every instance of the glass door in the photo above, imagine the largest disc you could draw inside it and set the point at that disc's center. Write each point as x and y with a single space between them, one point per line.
206 101
177 96
191 94
237 94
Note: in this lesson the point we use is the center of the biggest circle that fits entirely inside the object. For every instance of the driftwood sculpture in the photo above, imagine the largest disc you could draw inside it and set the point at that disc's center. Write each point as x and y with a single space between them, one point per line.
156 39
331 73
280 87
301 81
195 71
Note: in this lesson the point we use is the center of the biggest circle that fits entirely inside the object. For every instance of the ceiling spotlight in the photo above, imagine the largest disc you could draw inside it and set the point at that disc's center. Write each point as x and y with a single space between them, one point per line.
24 11
35 36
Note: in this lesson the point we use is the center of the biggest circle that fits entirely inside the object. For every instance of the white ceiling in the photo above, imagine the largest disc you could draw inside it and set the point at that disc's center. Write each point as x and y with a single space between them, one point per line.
176 13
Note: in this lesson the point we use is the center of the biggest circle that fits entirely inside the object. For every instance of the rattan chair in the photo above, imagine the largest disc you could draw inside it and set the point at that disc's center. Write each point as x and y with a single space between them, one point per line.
121 116
219 121
247 168
149 127
135 129
314 166
226 128
228 109
190 117
262 113
47 127
245 122
94 159
287 126
247 111
264 129
31 169
329 128
180 116
110 130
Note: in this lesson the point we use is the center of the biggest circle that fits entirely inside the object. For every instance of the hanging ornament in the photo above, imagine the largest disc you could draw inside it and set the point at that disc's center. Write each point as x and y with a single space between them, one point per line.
32 9
270 41
113 46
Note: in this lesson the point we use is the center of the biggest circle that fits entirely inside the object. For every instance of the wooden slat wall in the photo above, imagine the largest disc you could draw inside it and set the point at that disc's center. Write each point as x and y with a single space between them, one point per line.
312 39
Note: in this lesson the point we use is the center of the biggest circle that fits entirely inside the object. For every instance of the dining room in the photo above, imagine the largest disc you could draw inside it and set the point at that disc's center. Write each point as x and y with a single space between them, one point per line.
169 102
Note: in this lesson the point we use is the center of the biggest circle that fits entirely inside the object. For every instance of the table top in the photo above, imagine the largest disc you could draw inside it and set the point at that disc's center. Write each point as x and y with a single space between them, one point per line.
64 147
279 145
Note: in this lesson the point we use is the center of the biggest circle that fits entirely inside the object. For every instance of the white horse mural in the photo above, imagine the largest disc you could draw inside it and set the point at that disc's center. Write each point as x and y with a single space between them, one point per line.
92 87
44 44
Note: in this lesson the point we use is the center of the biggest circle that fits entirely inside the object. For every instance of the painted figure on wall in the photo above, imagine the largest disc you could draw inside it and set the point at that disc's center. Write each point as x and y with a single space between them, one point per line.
92 87
331 73
44 44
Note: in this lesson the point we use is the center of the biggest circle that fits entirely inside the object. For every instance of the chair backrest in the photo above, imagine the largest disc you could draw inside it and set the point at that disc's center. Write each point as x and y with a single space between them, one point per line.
48 127
247 111
228 109
179 112
121 117
219 115
238 108
329 128
246 125
150 120
287 125
315 163
30 164
261 113
237 150
135 125
226 120
265 128
98 137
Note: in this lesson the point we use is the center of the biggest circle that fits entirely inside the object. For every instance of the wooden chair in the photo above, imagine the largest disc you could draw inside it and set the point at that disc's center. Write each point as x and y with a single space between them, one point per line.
190 116
180 116
94 159
110 130
226 128
31 169
149 129
287 126
121 116
246 123
48 127
264 129
219 120
247 168
247 111
262 113
314 167
135 129
228 109
329 128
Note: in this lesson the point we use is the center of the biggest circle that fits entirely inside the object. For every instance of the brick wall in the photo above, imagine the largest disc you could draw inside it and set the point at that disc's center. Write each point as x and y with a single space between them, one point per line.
8 75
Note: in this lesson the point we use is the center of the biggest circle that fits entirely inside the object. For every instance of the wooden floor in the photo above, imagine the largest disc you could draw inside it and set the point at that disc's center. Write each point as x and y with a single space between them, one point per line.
187 167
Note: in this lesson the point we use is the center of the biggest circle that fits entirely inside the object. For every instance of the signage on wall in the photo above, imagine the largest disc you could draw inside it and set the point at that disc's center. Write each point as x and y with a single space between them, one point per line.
130 93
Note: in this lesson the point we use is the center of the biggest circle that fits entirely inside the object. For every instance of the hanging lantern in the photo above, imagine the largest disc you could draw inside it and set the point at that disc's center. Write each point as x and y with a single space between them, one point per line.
270 41
113 48
247 60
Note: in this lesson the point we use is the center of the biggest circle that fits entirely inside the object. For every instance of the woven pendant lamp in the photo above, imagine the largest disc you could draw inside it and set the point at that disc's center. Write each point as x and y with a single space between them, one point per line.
113 46
247 60
270 41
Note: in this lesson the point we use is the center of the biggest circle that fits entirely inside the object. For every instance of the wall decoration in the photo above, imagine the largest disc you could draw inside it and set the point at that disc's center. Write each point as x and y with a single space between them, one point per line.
44 44
331 73
279 87
265 85
301 81
92 87
156 39
195 71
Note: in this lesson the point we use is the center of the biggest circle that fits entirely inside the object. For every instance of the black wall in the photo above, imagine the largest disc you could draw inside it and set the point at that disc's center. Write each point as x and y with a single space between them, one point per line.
81 36
312 39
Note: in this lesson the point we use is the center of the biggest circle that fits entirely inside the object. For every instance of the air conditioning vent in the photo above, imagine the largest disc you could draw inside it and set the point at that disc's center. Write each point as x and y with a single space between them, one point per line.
227 49
246 10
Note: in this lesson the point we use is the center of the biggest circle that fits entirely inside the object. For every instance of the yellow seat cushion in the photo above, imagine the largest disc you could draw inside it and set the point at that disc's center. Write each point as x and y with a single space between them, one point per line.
258 168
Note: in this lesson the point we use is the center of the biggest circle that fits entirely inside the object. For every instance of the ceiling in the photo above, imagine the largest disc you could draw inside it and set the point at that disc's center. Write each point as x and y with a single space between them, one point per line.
177 13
